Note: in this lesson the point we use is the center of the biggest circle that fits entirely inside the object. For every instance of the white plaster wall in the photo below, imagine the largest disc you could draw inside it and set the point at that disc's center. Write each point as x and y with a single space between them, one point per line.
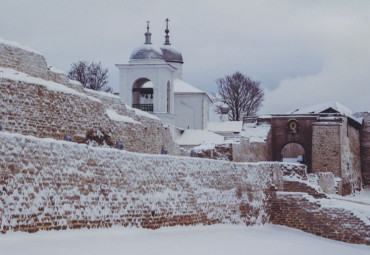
190 111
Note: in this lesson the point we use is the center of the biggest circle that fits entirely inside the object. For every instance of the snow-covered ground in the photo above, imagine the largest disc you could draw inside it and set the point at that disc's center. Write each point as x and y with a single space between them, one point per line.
214 240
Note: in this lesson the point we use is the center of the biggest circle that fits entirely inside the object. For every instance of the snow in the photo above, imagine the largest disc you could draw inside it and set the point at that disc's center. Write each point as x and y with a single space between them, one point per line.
170 48
318 108
198 136
212 240
17 45
362 196
142 113
75 82
12 74
55 70
226 126
100 93
181 86
361 210
255 133
147 48
113 115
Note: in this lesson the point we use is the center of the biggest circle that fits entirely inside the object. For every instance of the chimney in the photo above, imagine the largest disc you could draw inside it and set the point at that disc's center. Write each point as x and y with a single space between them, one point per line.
225 113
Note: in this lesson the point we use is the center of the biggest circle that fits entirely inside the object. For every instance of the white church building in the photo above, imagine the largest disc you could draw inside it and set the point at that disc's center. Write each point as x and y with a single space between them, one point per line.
152 81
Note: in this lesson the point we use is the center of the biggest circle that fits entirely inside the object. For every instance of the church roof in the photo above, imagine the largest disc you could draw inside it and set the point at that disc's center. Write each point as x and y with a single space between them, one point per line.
181 86
171 54
147 52
150 52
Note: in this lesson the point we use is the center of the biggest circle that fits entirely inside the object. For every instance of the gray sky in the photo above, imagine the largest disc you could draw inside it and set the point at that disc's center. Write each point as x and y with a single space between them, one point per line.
304 51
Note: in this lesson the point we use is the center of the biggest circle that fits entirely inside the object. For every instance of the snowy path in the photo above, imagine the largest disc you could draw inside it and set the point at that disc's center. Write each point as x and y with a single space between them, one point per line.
213 240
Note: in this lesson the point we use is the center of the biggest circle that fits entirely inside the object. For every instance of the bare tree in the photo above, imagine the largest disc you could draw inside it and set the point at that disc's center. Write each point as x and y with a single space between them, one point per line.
92 76
240 93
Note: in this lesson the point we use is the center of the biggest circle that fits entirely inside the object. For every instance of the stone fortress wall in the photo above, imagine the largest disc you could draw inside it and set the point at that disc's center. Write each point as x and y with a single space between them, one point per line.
47 109
69 185
50 184
65 185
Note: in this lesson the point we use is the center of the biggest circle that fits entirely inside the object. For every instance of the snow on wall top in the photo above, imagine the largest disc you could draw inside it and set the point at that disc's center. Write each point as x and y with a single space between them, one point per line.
55 70
181 86
198 136
142 113
100 93
113 115
12 74
17 45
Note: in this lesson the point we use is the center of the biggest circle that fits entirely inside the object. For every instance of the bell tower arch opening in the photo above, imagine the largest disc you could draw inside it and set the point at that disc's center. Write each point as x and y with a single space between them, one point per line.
293 152
142 95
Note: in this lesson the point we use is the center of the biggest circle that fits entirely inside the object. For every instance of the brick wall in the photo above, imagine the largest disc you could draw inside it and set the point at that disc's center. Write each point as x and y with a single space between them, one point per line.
301 211
49 184
300 203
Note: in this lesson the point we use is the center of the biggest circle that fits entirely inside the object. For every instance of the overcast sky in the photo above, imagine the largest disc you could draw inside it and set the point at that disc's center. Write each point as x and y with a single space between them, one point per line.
303 52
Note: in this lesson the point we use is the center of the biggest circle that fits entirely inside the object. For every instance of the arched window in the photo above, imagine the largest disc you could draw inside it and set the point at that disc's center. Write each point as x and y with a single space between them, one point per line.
168 97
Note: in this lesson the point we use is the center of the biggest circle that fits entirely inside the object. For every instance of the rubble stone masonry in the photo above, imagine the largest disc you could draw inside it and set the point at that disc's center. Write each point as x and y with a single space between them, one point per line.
336 149
365 147
49 184
34 109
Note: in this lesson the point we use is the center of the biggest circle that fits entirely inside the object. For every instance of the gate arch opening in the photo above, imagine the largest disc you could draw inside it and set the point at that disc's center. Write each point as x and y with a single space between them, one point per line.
293 152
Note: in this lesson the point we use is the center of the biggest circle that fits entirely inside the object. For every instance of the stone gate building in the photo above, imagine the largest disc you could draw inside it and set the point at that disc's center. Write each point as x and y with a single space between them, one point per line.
325 137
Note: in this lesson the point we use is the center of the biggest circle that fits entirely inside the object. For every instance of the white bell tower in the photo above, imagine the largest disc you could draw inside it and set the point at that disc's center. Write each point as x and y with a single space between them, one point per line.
147 81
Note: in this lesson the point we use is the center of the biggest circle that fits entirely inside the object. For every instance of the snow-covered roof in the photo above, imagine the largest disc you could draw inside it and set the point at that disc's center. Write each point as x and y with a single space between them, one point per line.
196 137
181 86
319 108
226 126
256 133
